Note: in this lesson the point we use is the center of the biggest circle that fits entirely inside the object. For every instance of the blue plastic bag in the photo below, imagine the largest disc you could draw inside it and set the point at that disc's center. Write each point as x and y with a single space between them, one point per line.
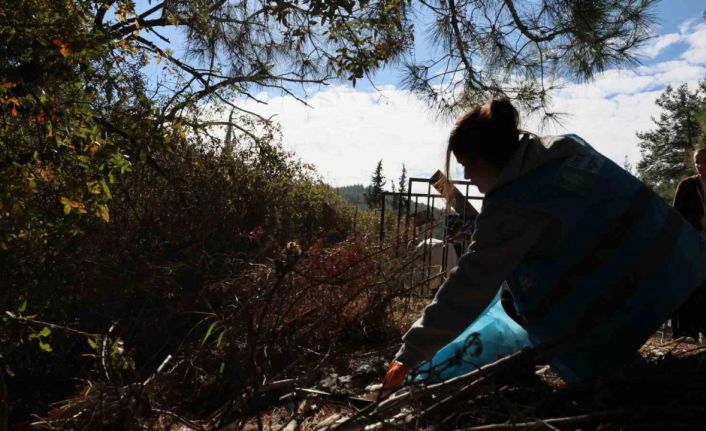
491 336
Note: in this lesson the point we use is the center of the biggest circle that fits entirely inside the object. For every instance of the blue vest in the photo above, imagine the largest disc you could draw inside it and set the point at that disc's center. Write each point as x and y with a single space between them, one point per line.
626 262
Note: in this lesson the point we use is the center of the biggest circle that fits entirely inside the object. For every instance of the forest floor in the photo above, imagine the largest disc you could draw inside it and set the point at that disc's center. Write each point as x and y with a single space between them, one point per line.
665 390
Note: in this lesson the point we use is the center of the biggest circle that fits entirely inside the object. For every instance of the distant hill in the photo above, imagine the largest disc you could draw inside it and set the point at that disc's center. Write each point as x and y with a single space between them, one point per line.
354 194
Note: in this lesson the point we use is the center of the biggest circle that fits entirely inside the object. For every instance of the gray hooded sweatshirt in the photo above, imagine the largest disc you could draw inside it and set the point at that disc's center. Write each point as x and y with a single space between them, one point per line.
505 234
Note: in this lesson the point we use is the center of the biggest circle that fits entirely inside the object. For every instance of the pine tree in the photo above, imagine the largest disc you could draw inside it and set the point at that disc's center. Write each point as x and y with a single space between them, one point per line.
402 186
399 202
373 195
520 49
667 150
627 165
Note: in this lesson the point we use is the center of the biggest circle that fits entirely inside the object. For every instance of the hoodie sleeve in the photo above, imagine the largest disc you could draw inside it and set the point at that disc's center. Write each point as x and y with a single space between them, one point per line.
505 233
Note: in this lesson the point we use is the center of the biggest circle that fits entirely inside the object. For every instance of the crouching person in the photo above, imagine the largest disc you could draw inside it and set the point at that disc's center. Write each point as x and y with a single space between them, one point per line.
593 259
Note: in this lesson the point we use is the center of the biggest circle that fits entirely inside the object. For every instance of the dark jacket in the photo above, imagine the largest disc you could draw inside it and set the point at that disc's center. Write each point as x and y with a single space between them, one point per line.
688 201
616 267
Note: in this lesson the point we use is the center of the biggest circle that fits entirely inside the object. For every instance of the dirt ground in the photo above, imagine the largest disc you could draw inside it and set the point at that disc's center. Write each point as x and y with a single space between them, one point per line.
664 390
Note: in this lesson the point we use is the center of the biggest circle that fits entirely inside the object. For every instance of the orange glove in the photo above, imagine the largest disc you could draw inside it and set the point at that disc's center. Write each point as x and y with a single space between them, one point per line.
393 379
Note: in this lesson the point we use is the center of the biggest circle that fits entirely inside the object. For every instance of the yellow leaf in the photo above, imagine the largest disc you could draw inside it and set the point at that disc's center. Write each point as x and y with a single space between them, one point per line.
70 204
105 214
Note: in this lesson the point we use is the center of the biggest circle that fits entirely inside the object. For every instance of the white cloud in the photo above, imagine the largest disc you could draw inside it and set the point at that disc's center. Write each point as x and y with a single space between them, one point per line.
612 82
682 74
685 27
655 46
607 124
345 131
696 53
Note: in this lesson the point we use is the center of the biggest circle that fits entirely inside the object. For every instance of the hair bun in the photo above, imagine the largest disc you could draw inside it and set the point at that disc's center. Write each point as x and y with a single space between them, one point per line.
502 111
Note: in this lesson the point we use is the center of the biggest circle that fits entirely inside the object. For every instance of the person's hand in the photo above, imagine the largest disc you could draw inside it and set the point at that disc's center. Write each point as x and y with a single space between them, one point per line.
393 379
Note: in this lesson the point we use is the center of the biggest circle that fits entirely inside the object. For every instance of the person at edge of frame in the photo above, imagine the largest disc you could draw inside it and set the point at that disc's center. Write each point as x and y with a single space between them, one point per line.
594 260
690 200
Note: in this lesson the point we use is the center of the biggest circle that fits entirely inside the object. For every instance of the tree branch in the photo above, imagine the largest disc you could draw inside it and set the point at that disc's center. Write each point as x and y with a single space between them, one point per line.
100 14
526 31
460 43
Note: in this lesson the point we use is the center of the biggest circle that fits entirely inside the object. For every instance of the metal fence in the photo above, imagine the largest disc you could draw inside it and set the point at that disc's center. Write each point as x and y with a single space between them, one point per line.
422 226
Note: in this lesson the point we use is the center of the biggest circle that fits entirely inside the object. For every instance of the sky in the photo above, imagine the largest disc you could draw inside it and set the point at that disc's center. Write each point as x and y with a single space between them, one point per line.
345 131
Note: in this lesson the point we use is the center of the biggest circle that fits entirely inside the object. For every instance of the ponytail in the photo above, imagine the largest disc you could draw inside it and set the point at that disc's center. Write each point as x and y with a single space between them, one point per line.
490 131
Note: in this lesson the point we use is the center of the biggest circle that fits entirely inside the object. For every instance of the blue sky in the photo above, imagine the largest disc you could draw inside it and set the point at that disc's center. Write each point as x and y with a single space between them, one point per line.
670 15
344 131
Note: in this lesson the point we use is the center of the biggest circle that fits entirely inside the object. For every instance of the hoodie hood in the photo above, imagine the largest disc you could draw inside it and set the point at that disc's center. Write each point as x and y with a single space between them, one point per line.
535 151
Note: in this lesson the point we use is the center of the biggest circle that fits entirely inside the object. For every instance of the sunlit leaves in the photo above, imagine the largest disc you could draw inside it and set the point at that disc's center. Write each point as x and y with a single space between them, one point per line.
61 158
41 338
104 213
72 205
92 343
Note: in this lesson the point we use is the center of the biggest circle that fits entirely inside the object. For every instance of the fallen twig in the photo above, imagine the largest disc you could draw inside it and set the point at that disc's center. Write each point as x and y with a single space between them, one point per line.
445 390
181 419
300 393
580 421
50 325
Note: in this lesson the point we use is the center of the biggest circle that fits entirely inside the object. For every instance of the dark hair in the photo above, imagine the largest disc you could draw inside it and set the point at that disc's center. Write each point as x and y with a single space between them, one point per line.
490 131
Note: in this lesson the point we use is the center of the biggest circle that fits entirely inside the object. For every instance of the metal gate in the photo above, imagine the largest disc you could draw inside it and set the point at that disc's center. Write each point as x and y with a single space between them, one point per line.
421 221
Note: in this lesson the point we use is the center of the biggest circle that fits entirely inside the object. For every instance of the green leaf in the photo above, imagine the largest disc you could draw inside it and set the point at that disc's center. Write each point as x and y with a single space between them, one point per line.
45 332
220 338
106 189
208 332
23 307
92 343
45 346
117 348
